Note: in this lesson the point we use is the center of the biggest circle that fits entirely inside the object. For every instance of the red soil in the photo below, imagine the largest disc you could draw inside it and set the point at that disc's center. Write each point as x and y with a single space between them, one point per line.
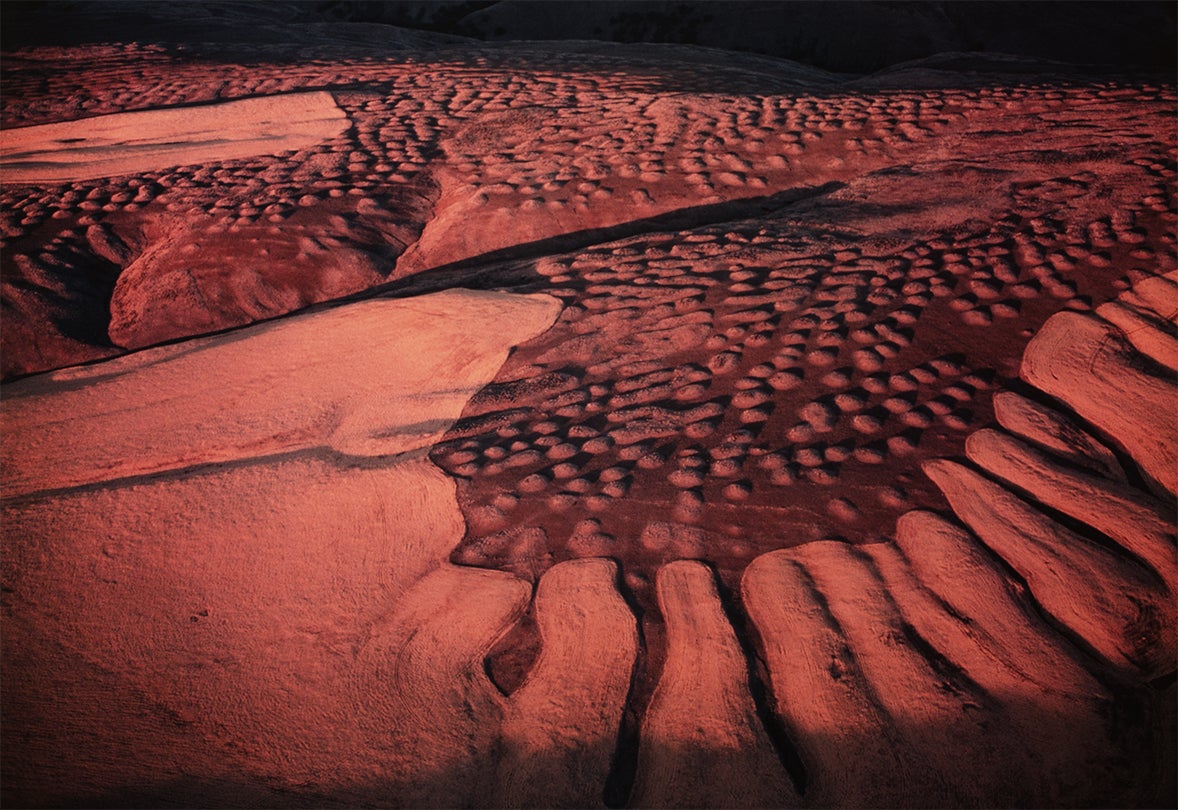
738 528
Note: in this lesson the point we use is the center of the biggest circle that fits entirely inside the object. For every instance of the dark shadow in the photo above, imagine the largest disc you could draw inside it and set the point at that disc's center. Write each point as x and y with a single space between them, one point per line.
478 272
760 685
849 37
65 284
473 272
552 778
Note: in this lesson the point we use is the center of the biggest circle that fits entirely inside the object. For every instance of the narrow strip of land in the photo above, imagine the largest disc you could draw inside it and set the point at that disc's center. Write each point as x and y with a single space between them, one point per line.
148 140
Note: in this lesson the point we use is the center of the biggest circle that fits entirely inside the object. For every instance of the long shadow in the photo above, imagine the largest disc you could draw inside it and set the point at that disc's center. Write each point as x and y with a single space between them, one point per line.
484 270
173 783
471 271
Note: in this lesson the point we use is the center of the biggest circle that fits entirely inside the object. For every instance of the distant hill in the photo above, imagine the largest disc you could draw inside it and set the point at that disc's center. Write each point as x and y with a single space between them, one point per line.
852 37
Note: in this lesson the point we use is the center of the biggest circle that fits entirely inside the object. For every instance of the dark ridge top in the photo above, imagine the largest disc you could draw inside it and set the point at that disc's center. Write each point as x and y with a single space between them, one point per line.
849 37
